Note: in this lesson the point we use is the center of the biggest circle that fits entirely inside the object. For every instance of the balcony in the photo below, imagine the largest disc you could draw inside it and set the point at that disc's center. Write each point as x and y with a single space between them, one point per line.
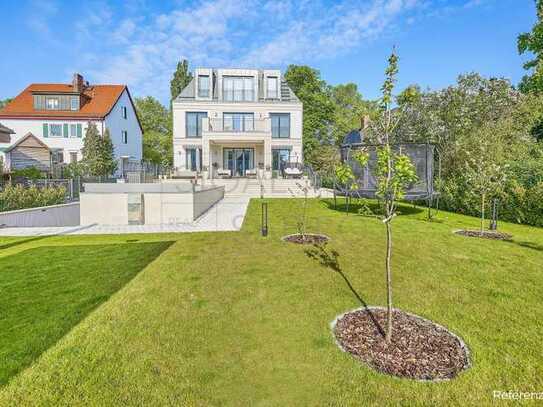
237 125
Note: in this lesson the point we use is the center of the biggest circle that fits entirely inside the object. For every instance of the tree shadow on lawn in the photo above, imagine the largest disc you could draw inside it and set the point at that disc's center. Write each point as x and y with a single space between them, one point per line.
49 289
330 260
23 241
527 245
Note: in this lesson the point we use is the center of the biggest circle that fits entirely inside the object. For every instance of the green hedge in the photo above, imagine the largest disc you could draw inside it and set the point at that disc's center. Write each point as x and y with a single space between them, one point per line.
14 197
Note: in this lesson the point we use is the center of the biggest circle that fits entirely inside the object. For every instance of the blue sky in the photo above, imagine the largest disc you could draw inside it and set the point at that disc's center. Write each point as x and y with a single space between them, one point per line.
138 42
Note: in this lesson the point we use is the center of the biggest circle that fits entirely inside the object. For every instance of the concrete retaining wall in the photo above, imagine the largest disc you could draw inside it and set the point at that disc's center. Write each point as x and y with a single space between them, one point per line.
104 209
205 199
107 204
55 215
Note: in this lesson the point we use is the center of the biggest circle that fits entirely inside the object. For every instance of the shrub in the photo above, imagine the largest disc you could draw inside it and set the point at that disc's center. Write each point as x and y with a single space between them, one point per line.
15 197
74 170
28 172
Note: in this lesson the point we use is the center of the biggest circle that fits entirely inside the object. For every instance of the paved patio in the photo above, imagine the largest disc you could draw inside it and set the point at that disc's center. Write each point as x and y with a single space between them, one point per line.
227 215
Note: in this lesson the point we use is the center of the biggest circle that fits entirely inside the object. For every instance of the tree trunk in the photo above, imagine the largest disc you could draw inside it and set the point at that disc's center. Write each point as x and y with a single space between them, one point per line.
389 281
482 214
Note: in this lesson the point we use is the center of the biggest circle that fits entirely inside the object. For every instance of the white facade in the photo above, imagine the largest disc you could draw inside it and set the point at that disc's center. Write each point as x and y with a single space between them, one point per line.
71 146
245 123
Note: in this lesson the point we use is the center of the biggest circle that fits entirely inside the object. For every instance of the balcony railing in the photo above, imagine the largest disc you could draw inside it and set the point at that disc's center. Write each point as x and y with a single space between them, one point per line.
238 125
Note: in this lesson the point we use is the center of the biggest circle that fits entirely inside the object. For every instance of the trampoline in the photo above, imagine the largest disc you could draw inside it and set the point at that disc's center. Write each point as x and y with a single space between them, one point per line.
364 185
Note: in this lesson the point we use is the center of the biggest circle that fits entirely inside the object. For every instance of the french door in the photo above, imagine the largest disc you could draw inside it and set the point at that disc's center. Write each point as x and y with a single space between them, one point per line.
238 160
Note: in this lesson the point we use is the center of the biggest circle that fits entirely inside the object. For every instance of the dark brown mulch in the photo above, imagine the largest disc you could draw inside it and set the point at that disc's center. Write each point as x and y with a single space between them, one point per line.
418 350
308 238
487 234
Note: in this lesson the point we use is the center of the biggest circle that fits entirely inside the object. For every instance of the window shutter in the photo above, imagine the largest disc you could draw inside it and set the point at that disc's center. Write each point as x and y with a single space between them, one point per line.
79 131
65 130
45 130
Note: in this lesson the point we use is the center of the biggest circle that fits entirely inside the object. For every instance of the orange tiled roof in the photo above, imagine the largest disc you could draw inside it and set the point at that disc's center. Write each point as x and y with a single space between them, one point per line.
99 101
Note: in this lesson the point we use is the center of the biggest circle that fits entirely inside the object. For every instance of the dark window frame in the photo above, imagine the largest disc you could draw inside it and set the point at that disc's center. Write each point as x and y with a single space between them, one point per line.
199 117
278 132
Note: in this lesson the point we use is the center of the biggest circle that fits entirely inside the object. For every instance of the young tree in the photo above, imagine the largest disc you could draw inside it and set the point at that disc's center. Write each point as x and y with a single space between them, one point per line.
181 78
98 154
533 42
395 172
484 169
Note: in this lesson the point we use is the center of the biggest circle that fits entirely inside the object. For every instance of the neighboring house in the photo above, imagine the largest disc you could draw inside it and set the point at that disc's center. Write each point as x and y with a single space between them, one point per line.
235 122
5 134
55 117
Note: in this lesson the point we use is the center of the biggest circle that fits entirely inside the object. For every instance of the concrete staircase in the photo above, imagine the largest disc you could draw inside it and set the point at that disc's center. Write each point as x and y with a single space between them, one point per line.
251 187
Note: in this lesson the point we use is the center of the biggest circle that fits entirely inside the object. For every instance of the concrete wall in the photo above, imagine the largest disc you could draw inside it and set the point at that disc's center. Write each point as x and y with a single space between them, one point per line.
205 199
169 203
104 209
164 208
55 215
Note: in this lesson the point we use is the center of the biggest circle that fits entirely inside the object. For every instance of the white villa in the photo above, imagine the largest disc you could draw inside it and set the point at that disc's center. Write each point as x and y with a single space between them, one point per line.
236 123
48 123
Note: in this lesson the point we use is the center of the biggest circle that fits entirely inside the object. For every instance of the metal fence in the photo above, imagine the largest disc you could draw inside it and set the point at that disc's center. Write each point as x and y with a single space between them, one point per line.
72 192
142 171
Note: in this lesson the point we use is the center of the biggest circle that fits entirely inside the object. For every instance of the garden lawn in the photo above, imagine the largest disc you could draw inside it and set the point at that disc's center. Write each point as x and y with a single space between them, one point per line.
237 319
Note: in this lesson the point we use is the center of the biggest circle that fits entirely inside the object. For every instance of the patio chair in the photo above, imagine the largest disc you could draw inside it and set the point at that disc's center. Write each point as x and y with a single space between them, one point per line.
184 174
224 173
293 173
251 173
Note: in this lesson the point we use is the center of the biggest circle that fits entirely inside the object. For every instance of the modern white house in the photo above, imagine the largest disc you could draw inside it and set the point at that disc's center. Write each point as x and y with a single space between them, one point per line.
236 123
49 120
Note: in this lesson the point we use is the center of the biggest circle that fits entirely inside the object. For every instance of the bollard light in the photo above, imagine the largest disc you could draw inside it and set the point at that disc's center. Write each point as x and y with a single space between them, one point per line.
264 220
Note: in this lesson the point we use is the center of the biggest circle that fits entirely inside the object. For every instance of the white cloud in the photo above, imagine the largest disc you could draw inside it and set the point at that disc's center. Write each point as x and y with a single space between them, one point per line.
262 33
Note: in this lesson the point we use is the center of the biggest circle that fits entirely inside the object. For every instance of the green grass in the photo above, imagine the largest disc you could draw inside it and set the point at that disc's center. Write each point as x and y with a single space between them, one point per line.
47 290
237 319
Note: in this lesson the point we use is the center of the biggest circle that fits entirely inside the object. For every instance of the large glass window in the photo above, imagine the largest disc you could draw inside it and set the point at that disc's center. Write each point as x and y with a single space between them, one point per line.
273 87
280 157
280 124
203 86
194 123
238 88
238 160
238 121
193 159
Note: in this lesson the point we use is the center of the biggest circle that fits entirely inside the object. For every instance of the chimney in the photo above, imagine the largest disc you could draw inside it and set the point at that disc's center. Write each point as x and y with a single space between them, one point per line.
78 83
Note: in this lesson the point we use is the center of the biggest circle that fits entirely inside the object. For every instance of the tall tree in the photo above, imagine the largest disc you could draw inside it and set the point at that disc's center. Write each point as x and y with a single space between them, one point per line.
349 110
307 84
157 126
533 42
98 152
181 78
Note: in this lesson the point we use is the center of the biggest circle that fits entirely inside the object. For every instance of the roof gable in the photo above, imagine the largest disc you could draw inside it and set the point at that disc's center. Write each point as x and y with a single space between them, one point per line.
98 101
29 140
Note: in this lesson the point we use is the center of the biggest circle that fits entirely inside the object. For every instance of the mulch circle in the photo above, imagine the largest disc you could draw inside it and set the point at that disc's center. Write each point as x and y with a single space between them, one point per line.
419 349
487 234
308 238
